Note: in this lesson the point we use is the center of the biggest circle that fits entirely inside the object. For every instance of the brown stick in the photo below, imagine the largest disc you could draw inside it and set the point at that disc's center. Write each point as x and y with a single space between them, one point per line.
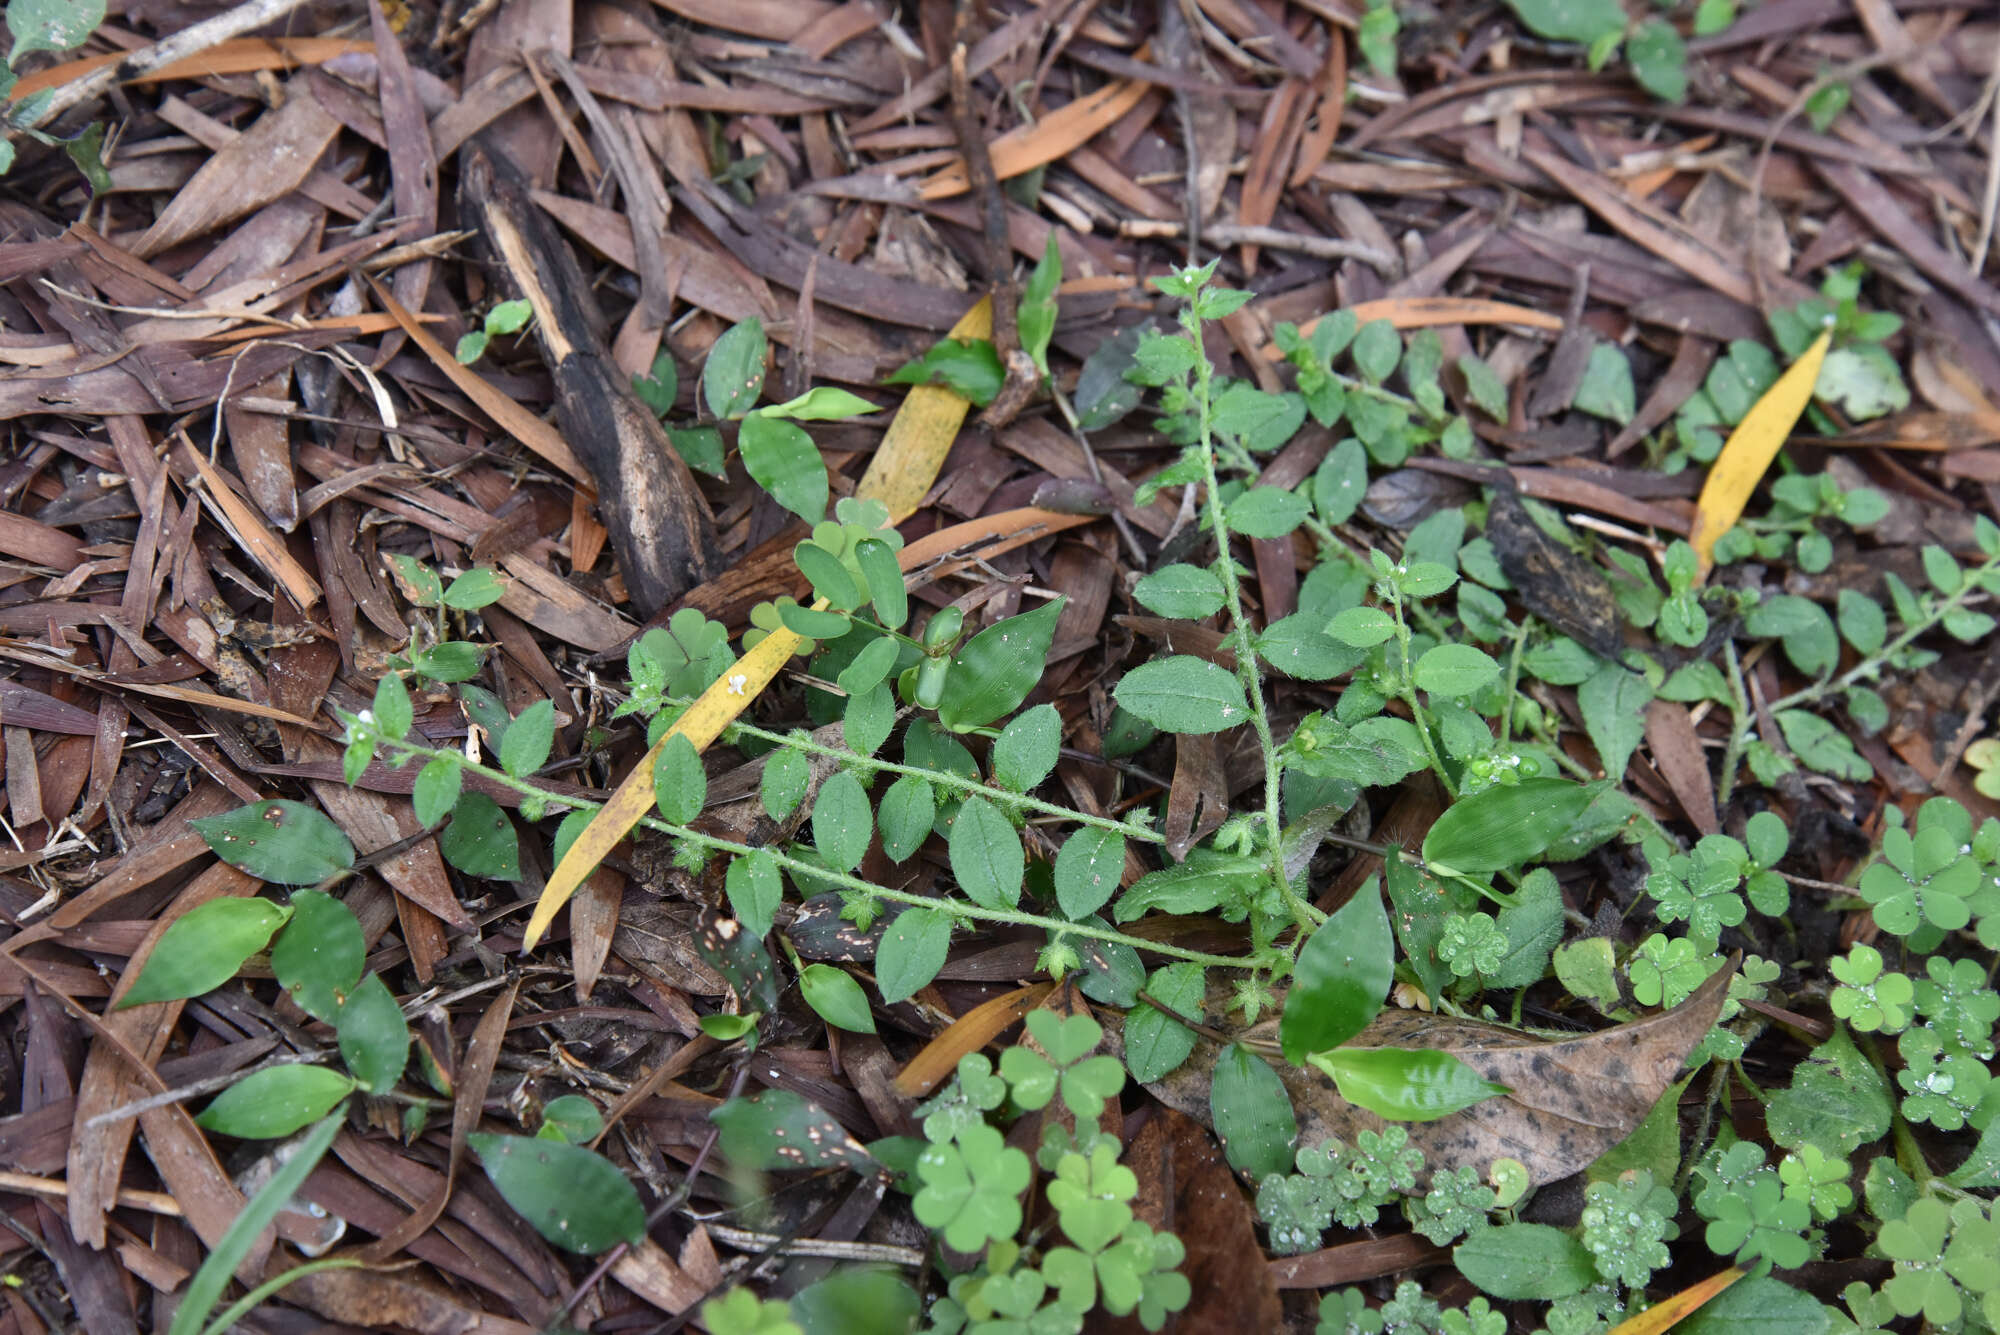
659 523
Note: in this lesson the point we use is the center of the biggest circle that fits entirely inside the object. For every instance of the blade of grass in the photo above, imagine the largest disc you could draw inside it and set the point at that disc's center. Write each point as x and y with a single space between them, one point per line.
206 1287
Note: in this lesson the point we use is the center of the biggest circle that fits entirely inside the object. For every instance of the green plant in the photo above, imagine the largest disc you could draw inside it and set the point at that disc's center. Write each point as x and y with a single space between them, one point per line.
1627 1222
49 25
1653 47
929 736
972 1182
506 317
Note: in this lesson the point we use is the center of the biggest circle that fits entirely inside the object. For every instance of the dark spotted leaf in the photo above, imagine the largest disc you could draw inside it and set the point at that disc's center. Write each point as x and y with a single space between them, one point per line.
319 954
779 1129
286 842
732 951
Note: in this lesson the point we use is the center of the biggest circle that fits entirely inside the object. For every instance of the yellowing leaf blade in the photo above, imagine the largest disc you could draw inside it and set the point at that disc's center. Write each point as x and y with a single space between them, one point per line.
1665 1315
904 467
1746 456
914 446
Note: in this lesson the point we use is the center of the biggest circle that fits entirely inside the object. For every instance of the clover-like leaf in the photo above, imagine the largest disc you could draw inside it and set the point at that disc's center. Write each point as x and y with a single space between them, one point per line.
971 1188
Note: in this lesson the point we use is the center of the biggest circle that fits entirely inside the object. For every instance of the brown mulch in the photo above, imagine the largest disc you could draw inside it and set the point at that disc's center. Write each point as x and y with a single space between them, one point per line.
218 427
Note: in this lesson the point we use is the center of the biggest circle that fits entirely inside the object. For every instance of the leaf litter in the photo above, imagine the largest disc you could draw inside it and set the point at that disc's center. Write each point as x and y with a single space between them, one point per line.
232 405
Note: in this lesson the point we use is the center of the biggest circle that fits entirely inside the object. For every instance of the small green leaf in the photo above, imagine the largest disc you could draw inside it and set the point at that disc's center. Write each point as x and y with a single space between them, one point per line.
733 376
51 25
1362 627
1035 319
1026 750
680 784
728 1028
986 855
1184 694
1862 621
204 948
821 403
451 661
1376 349
392 709
1182 591
471 347
1341 978
436 791
274 1102
992 673
755 890
841 821
572 1118
1504 827
1405 1085
374 1038
885 581
1455 670
700 447
525 748
1341 482
905 817
319 955
476 588
1252 1113
969 368
828 577
576 1199
1266 512
1584 21
285 842
480 841
659 389
1658 58
837 998
509 317
1088 869
782 459
1614 703
1526 1261
783 784
1759 1305
1156 1043
912 950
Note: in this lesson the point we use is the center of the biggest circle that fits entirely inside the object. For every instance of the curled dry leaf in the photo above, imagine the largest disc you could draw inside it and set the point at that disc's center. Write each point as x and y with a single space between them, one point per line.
1571 1100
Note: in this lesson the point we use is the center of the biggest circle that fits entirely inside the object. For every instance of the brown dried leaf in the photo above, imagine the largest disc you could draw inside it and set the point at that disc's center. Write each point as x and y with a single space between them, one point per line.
1571 1100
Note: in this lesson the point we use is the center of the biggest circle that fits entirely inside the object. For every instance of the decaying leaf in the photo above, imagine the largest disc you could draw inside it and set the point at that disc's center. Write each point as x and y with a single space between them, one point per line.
1557 585
1571 1100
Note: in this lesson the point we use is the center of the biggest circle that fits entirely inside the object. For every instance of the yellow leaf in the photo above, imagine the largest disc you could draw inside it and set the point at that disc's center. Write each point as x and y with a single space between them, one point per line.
703 722
914 446
912 451
1663 1316
1747 454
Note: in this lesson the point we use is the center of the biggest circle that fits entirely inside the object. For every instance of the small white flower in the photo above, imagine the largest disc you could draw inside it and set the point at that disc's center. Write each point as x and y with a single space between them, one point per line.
737 682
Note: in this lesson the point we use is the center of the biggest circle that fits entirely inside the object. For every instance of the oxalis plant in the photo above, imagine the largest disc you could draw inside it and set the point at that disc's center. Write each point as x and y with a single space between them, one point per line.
923 731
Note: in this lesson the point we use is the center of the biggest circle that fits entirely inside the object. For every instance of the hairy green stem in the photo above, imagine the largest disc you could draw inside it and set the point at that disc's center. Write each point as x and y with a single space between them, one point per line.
1739 726
1306 915
1407 680
1874 663
802 869
946 779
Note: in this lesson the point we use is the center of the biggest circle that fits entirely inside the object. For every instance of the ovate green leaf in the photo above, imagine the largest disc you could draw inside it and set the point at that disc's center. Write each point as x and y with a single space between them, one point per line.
286 842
